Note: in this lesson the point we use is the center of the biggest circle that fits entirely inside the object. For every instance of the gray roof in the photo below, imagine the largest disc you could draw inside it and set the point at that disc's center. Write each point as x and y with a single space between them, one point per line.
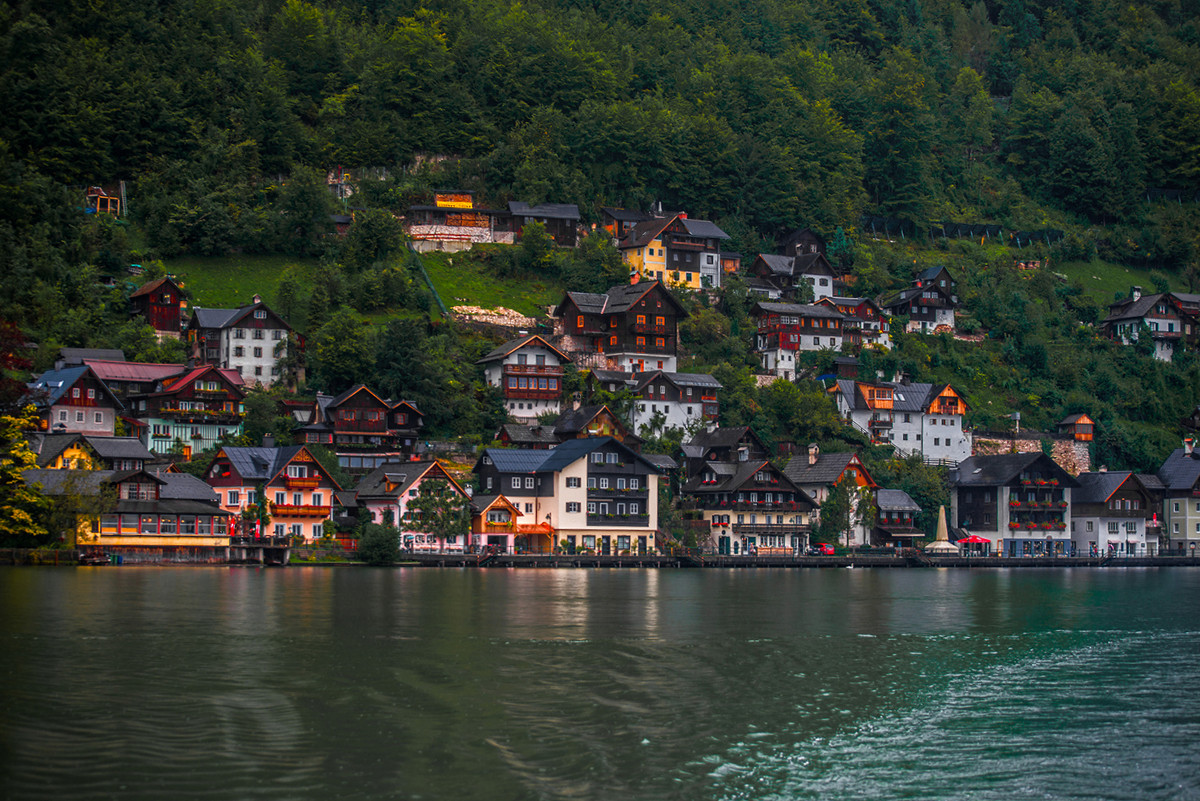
779 265
258 463
575 449
895 500
704 229
58 482
589 302
827 470
403 474
186 487
1004 468
905 397
536 435
799 309
1180 471
78 355
213 318
661 461
1098 487
119 448
703 380
516 460
1151 482
722 437
515 344
554 211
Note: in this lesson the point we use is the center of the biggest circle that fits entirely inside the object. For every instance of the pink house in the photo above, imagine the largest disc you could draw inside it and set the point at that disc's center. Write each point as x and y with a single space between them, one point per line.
383 496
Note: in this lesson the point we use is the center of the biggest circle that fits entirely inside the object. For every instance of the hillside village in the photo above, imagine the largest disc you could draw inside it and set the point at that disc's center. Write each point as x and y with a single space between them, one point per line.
607 448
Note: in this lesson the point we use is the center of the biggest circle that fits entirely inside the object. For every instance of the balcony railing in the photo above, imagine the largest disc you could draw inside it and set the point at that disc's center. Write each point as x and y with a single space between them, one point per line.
302 483
599 520
533 394
646 328
534 369
281 510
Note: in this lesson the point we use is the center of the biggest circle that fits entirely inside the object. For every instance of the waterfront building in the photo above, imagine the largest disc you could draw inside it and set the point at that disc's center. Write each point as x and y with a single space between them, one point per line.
895 519
140 515
1180 476
1115 513
1020 501
593 494
297 490
817 473
384 495
750 507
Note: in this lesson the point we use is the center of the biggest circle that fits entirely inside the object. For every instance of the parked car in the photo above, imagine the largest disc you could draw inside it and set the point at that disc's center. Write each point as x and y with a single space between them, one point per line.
821 549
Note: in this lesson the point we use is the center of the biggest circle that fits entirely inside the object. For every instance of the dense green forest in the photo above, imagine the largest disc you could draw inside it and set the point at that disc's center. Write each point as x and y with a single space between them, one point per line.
223 117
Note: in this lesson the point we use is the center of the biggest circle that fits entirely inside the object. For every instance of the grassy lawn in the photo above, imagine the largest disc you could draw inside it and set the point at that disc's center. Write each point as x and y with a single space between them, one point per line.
460 282
232 281
1102 279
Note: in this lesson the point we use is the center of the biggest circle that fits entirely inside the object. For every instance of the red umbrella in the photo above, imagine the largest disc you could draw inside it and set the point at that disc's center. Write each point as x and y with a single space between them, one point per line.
974 539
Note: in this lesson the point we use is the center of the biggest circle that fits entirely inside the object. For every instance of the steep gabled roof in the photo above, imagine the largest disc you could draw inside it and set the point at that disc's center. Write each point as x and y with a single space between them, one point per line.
338 400
622 297
723 437
151 286
516 344
1004 468
1180 471
528 435
133 371
51 385
515 460
827 470
178 383
895 500
259 464
213 318
572 421
575 449
1099 487
812 264
645 232
403 475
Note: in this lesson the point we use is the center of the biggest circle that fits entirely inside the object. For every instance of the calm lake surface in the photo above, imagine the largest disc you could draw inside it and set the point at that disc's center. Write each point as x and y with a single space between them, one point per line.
329 683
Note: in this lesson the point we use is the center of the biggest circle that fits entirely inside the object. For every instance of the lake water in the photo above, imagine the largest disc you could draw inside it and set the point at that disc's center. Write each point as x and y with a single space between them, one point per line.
335 683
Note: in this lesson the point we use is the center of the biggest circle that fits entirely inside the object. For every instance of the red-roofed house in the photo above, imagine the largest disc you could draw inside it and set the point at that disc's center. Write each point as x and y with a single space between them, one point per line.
192 411
159 303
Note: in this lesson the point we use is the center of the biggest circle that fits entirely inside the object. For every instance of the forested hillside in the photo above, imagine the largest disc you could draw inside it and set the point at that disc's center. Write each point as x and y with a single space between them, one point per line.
762 115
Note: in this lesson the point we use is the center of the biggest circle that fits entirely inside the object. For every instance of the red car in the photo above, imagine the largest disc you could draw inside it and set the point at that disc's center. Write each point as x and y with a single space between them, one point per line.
821 549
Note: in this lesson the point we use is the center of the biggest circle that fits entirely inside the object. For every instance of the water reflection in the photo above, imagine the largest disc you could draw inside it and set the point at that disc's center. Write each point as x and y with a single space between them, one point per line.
562 684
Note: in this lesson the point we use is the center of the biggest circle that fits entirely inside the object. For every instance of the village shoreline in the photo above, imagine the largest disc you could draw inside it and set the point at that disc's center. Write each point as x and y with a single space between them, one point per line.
74 558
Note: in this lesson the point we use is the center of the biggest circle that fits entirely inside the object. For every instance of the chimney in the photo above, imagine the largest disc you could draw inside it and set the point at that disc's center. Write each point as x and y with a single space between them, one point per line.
1103 468
814 453
1135 292
634 277
1188 445
268 441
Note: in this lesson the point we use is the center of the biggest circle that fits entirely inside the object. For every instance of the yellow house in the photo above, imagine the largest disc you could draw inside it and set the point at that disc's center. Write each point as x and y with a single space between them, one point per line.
680 252
141 515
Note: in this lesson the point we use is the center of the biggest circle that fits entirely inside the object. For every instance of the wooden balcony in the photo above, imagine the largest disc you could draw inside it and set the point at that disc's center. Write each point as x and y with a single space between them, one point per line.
534 369
302 483
281 510
533 394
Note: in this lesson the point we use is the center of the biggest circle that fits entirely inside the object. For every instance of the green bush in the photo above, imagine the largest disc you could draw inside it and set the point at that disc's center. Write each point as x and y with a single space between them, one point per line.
379 545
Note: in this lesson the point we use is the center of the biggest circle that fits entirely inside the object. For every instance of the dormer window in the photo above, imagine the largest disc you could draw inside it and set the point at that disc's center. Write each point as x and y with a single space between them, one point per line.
260 314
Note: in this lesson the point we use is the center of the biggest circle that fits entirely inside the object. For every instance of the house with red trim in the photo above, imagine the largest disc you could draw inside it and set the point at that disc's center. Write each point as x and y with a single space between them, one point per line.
363 429
529 372
74 400
384 494
297 490
191 411
817 473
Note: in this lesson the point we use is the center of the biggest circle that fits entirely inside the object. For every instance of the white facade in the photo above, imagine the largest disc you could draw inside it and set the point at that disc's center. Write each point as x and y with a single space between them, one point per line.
94 420
642 362
252 352
679 414
516 372
1121 536
820 283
